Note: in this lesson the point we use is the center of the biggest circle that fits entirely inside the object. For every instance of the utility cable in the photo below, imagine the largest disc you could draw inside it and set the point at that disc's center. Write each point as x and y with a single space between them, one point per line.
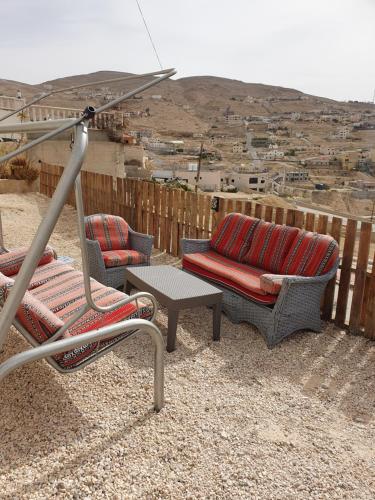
149 34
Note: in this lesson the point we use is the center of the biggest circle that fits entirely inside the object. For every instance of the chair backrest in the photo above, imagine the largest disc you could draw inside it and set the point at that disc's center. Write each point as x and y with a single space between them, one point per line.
111 231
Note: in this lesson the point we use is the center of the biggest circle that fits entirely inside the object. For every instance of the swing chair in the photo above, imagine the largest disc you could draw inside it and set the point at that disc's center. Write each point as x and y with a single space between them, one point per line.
67 323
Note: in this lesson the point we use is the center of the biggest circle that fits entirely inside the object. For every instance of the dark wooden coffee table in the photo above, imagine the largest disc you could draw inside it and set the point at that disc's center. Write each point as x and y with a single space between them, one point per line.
176 290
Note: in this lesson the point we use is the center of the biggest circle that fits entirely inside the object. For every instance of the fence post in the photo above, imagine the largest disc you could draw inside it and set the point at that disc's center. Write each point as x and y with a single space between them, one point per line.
360 277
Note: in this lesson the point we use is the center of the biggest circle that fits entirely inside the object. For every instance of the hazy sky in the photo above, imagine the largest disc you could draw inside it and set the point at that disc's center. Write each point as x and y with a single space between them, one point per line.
322 47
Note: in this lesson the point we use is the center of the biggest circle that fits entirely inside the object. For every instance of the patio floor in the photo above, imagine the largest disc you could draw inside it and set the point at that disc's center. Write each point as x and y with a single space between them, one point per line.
240 421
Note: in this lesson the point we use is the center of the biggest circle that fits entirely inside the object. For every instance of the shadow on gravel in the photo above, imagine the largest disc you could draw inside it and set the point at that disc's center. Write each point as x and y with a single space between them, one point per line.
332 366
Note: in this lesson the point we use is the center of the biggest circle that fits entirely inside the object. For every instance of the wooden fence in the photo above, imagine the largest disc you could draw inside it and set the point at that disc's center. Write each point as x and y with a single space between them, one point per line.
170 214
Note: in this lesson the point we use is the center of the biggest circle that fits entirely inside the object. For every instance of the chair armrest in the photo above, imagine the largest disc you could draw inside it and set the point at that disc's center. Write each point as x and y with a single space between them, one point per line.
194 245
272 283
96 262
141 242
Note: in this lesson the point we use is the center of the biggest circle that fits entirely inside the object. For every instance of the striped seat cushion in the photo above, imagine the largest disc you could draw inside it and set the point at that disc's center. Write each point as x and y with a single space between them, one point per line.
115 258
240 278
11 262
111 231
233 236
103 296
270 245
55 298
311 254
48 272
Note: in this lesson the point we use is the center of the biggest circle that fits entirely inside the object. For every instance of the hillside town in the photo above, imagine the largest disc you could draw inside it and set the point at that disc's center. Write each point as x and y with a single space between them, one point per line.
291 147
187 250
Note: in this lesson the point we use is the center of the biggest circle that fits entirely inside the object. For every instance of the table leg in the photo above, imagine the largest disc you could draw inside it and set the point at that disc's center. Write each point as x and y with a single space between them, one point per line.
172 329
127 287
216 320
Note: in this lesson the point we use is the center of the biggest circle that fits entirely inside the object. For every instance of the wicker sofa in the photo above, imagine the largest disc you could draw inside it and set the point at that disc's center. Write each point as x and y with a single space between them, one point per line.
112 246
273 276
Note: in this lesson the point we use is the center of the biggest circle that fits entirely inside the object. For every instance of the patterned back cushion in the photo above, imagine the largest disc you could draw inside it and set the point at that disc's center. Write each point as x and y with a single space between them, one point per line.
311 254
270 245
233 236
111 231
34 316
37 319
5 284
11 262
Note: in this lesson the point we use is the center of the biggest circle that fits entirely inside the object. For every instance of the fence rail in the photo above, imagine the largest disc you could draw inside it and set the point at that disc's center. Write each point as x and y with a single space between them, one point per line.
171 214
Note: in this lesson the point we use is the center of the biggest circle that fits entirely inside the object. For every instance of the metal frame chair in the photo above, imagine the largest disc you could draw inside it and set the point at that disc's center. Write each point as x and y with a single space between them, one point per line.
69 179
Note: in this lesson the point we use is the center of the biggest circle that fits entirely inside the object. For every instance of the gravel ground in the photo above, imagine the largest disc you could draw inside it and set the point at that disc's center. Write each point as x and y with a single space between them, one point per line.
240 421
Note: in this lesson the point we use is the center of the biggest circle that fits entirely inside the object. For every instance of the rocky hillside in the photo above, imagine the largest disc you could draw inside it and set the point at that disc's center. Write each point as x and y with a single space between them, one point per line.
191 104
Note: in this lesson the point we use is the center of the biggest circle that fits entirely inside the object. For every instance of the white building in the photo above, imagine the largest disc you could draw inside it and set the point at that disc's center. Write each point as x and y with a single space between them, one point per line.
273 155
295 116
208 180
237 148
233 119
327 150
298 176
343 132
246 182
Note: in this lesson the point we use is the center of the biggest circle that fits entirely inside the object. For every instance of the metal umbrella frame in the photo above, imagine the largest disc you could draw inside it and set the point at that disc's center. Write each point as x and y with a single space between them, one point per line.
69 179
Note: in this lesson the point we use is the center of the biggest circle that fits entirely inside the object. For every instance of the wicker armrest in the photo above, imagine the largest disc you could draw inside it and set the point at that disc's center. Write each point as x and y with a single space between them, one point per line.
194 245
96 262
141 242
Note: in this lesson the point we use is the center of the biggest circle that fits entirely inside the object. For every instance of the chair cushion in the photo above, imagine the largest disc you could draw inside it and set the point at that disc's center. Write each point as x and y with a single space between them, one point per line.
233 236
270 245
48 272
111 231
241 278
34 316
55 298
5 284
103 296
311 254
11 262
115 258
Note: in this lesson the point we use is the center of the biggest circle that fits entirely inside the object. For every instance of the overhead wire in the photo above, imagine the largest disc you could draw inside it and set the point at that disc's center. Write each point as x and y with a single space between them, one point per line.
149 34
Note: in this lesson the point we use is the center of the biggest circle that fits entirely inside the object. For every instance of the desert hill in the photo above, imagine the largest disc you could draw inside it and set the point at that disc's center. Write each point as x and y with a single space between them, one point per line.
190 104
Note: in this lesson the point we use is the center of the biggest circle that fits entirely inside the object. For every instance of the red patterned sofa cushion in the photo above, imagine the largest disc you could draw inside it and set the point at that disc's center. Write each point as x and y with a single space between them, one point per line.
115 258
233 236
241 278
33 315
11 262
104 296
270 245
48 272
53 300
5 285
111 231
37 319
62 290
311 254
